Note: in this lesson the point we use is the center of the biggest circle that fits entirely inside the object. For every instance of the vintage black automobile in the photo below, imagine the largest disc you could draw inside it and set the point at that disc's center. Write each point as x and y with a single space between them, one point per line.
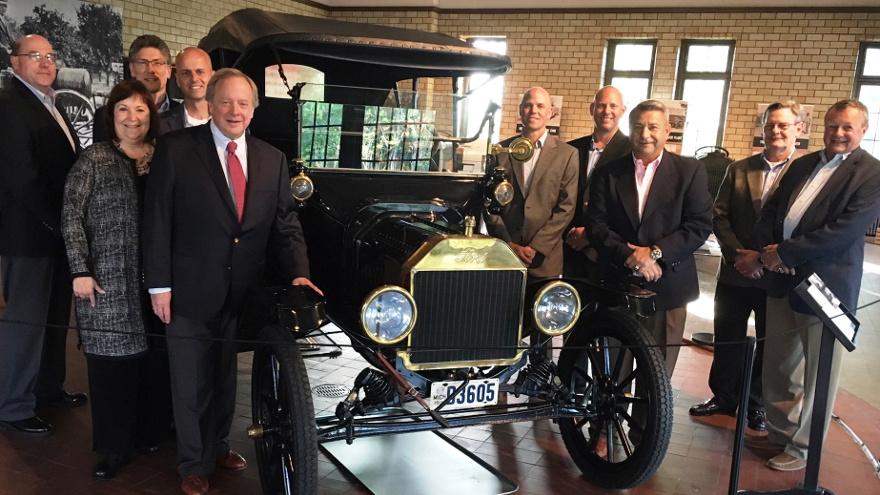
391 210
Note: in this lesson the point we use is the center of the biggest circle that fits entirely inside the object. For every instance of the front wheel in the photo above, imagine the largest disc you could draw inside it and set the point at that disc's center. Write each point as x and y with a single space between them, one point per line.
622 383
287 448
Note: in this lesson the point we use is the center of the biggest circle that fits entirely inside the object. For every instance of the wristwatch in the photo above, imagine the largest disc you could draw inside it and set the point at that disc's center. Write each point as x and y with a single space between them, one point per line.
656 253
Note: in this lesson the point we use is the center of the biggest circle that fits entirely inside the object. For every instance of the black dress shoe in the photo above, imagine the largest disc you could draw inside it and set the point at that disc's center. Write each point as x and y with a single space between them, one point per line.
147 449
108 465
757 419
66 399
710 408
32 426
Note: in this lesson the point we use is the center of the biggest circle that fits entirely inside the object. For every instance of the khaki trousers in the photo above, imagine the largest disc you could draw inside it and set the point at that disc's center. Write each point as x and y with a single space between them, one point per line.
791 359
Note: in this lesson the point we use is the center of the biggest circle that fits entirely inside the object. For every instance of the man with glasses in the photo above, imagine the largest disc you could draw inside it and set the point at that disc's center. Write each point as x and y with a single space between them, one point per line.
739 291
39 147
815 222
149 61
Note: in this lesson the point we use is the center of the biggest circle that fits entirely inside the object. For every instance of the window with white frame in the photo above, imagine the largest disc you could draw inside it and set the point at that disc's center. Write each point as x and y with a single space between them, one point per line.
867 90
704 68
629 67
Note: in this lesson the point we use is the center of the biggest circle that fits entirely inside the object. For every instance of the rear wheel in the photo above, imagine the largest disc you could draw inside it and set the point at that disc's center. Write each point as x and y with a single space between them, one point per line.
625 388
287 450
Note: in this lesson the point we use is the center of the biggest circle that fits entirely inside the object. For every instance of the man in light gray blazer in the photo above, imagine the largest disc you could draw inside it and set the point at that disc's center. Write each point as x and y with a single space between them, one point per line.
545 192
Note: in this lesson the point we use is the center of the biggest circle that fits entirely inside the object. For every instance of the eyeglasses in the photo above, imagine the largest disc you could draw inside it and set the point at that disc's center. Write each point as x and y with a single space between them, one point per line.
782 126
38 57
155 64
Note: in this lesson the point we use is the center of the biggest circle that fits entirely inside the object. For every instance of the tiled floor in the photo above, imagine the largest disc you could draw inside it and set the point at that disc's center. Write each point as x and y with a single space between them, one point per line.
532 454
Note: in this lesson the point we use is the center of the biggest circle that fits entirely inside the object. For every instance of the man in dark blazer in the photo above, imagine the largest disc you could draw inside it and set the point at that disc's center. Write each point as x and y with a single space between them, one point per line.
545 192
647 214
193 72
149 61
38 148
740 292
216 202
814 223
603 146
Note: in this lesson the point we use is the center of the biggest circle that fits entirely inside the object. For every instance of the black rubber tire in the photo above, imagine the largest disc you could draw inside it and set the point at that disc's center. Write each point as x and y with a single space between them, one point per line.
281 400
609 396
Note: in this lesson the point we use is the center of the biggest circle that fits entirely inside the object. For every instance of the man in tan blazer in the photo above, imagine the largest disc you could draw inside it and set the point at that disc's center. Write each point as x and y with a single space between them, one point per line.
545 192
747 184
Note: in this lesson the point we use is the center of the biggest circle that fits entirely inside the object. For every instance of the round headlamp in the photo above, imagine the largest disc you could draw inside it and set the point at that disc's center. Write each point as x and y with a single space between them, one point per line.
556 309
301 187
503 193
388 314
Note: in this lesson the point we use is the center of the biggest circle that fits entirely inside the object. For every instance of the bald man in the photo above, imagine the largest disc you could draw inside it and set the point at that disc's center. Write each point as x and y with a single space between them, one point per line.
194 70
545 192
606 144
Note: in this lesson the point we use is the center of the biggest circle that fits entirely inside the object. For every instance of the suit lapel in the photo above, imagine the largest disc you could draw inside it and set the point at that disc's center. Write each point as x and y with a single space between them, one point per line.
548 154
256 174
41 109
613 150
755 180
812 161
833 186
214 168
626 189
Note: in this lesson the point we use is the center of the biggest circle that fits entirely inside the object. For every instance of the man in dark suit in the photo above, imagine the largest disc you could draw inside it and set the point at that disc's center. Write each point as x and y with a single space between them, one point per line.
739 292
149 61
194 70
603 146
647 214
545 192
216 202
814 223
38 148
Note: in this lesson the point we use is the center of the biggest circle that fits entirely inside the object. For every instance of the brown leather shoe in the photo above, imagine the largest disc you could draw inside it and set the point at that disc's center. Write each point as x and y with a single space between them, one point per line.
194 485
232 461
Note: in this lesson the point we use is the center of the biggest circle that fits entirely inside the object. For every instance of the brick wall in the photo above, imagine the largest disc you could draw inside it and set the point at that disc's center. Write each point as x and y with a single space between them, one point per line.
808 56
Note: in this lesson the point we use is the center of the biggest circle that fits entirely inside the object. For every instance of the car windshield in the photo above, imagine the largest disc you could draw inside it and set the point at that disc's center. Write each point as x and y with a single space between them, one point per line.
396 130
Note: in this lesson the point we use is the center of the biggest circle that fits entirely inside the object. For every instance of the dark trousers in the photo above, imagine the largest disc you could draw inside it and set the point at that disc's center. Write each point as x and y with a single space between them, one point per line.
157 385
733 305
37 292
203 374
53 364
120 404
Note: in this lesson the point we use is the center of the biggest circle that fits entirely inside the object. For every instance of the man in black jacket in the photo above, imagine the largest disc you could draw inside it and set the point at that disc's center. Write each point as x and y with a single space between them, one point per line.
603 146
217 200
39 147
648 213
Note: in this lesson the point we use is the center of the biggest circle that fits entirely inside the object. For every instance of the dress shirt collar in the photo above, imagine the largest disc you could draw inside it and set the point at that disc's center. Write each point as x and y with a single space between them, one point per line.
542 140
638 163
45 98
840 157
768 165
222 141
165 105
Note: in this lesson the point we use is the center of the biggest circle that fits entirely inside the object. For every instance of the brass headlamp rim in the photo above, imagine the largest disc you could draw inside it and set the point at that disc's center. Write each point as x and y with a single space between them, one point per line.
301 177
381 290
540 294
520 148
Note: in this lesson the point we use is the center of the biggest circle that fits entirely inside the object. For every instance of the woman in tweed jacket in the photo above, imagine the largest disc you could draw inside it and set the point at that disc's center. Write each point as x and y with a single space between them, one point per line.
101 222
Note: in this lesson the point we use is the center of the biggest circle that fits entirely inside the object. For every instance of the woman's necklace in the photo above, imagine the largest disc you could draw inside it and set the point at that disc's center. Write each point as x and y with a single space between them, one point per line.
141 156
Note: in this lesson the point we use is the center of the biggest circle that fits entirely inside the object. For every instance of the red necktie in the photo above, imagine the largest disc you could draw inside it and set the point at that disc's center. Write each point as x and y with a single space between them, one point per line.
236 177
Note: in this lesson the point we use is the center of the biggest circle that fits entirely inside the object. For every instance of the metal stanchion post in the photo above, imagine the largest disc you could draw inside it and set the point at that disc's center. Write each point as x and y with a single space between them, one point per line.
748 363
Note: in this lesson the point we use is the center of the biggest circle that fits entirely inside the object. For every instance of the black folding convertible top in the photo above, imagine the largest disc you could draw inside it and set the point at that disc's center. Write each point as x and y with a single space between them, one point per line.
253 36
